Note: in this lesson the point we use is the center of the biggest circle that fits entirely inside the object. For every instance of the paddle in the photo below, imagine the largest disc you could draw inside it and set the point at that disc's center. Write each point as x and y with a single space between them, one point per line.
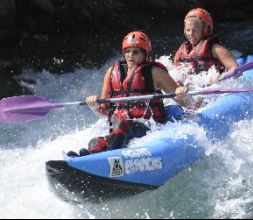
236 71
30 108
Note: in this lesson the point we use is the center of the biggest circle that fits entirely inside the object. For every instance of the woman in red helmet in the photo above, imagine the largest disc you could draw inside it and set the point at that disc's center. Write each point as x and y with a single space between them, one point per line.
203 49
135 75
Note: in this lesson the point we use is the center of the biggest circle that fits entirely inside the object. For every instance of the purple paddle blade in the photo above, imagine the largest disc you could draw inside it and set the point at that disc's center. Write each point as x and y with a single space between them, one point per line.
24 108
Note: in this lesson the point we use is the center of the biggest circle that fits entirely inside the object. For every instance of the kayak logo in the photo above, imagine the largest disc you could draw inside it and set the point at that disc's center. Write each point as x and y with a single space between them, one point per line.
137 153
116 166
140 160
140 165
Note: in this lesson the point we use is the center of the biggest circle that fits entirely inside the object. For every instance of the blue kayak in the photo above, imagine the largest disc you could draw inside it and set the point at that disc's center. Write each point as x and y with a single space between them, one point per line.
128 171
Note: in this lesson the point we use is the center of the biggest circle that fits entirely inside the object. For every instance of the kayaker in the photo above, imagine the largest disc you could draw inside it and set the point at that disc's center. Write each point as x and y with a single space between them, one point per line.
135 75
203 49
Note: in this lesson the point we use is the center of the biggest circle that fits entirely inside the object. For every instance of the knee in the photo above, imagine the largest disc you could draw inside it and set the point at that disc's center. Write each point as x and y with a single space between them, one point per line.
116 141
97 145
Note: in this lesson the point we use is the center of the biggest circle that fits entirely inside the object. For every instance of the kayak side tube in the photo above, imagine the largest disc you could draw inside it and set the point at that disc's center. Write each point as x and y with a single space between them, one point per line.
219 116
72 184
150 165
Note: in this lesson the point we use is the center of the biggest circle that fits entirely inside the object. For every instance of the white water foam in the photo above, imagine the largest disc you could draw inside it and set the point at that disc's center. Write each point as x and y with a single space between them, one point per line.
219 186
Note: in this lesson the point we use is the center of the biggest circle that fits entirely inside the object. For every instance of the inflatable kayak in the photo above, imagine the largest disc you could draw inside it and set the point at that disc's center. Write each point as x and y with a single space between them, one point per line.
133 170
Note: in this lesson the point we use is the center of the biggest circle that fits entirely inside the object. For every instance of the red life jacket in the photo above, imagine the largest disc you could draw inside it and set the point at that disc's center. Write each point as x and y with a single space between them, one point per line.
200 57
139 81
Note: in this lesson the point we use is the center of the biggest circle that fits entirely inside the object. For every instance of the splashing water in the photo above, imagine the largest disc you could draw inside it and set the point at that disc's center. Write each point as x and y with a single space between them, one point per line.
218 186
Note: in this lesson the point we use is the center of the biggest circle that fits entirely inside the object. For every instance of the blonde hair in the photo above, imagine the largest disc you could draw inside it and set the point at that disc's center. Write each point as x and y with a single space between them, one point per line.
196 20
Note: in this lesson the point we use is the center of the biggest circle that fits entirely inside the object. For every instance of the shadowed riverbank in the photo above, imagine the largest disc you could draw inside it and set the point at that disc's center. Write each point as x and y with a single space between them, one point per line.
60 36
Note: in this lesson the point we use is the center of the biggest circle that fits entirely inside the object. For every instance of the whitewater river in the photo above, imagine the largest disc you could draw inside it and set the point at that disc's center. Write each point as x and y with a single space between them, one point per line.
218 186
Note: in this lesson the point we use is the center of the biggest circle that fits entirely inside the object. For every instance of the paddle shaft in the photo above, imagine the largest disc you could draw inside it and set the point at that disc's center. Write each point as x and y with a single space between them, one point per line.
30 108
157 96
119 100
237 71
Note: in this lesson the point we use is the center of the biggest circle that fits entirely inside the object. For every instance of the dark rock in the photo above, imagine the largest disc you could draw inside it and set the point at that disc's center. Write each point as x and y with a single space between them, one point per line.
62 35
44 5
11 87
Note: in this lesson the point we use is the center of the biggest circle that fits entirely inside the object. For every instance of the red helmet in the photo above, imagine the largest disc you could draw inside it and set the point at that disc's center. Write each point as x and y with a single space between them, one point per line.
203 15
137 39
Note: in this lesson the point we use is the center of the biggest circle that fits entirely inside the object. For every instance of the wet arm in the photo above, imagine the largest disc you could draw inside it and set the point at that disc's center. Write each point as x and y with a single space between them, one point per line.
225 57
162 80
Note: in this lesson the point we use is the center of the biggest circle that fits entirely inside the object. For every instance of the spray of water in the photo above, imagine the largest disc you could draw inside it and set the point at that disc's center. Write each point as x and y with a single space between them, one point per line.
217 186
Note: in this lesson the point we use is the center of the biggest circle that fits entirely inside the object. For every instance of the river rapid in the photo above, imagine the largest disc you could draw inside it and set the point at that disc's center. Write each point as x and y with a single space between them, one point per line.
217 186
